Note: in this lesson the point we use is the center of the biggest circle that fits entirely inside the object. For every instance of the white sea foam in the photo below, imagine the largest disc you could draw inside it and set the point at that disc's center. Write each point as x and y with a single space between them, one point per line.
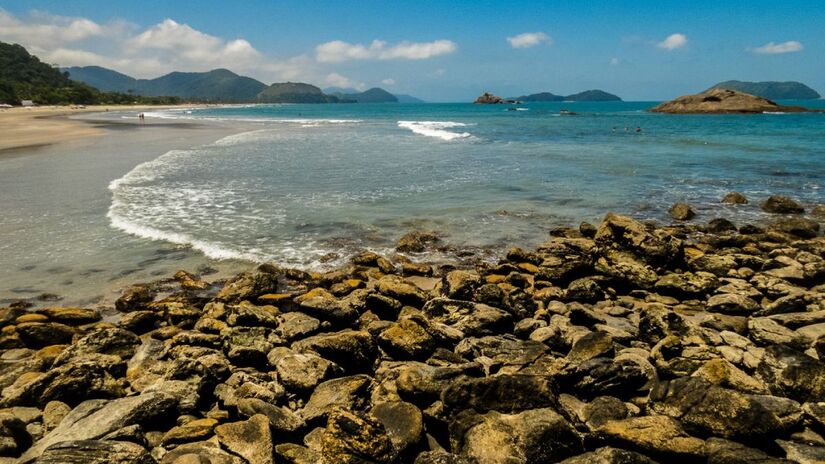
435 129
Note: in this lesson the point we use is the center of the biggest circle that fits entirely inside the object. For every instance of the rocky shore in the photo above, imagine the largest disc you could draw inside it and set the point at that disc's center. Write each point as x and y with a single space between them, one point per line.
623 342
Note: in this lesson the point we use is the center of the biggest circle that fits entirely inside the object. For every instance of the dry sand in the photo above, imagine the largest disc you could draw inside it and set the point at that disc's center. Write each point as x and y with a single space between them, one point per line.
37 126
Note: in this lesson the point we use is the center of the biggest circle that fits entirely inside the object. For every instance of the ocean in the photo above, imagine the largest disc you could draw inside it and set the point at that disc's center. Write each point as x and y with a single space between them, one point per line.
309 185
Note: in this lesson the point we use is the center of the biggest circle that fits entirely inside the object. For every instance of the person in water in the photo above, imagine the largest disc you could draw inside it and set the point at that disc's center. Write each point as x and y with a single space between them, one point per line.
638 130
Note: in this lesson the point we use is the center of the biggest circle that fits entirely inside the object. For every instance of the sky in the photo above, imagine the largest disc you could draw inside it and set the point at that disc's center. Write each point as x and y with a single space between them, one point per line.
439 50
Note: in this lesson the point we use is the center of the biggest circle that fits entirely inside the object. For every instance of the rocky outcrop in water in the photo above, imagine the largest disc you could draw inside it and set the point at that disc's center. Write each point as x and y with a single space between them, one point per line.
724 101
489 99
620 343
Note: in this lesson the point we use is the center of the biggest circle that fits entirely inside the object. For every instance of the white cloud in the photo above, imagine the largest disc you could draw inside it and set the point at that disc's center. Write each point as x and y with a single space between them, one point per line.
337 80
615 61
772 48
148 52
673 41
388 81
529 39
338 50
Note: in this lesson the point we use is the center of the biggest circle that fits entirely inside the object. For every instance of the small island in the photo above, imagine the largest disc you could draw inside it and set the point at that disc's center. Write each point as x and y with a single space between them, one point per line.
588 96
789 90
724 101
489 99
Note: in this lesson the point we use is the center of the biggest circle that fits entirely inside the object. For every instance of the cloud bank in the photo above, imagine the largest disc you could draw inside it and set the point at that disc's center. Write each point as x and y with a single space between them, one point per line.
529 39
338 50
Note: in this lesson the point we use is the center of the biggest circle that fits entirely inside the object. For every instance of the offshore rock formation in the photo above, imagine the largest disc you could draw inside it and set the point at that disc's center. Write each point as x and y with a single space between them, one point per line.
490 99
724 101
622 343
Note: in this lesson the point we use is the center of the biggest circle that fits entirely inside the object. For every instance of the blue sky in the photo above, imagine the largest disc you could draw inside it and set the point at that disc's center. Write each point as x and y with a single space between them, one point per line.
439 50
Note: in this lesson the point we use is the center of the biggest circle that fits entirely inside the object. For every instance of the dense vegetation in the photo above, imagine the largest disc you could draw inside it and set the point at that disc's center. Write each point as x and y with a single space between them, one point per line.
295 92
218 85
587 95
25 77
772 90
374 95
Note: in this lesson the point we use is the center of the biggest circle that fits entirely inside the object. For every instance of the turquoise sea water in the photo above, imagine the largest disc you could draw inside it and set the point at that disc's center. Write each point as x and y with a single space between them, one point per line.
315 179
298 182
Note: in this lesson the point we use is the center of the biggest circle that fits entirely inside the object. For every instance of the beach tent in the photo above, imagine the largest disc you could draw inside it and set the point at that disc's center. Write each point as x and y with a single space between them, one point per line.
27 103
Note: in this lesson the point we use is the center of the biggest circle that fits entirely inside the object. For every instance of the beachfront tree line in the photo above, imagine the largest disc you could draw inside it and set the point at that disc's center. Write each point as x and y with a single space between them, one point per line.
24 77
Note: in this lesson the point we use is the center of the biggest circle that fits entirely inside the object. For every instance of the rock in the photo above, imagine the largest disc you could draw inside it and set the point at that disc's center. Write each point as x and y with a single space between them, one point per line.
533 436
281 419
505 353
735 198
323 305
291 453
397 287
109 341
195 430
350 393
352 438
687 283
135 298
798 226
767 332
403 422
39 334
95 452
623 378
247 346
723 412
70 383
443 457
71 316
732 303
802 453
720 225
93 419
353 350
472 319
13 435
630 235
300 372
722 451
249 286
53 413
681 212
202 452
723 373
416 242
406 339
792 374
590 346
818 212
609 455
504 393
487 99
584 290
778 204
460 285
294 326
723 101
660 436
250 439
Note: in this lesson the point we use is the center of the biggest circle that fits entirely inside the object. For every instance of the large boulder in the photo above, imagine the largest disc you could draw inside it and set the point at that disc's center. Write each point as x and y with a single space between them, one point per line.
95 452
530 437
93 419
659 436
249 286
504 393
792 374
625 233
353 438
351 349
251 439
779 204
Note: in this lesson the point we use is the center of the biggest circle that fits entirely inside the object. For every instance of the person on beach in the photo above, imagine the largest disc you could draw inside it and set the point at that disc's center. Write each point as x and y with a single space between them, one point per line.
141 117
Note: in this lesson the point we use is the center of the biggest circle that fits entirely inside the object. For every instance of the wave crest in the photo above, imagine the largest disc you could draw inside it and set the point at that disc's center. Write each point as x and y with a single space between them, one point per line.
435 129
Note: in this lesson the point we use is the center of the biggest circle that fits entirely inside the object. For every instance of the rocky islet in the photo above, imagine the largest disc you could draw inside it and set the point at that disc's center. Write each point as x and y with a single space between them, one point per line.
624 342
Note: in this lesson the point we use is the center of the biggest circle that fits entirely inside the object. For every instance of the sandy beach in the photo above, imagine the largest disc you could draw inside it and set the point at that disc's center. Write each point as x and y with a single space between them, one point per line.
37 126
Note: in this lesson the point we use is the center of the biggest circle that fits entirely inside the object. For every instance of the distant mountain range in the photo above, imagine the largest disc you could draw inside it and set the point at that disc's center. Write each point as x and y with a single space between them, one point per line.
215 85
772 90
587 95
222 85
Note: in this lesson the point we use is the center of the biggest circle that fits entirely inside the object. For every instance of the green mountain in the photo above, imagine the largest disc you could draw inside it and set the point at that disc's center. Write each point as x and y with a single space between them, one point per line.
592 95
587 95
374 95
772 90
540 97
216 85
25 77
294 92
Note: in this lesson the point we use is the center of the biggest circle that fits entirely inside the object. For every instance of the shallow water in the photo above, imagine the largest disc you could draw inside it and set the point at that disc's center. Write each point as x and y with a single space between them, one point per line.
302 181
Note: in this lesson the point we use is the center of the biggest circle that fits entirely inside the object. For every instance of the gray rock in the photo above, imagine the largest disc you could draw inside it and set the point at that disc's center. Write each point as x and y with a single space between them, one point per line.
471 319
504 393
797 226
95 452
251 439
659 436
609 455
202 452
300 371
36 335
249 286
403 422
792 374
353 350
779 204
802 453
93 419
281 419
533 436
350 393
681 212
722 451
355 438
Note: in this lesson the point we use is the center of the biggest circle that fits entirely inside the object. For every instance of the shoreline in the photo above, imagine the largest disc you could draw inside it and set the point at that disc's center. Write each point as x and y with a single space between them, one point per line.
46 125
624 339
